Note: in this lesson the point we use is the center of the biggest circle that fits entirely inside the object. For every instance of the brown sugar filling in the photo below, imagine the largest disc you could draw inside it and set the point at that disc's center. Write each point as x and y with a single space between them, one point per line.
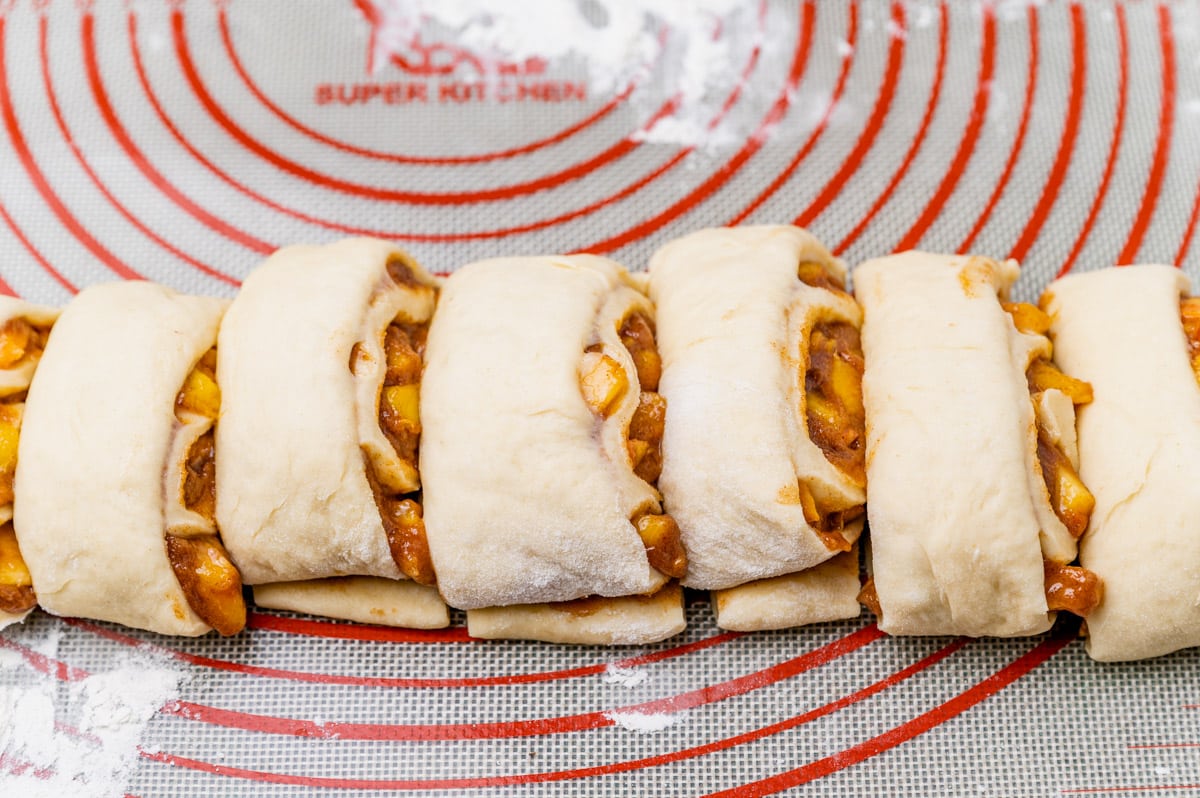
1071 588
604 384
210 582
16 584
833 406
1189 315
400 422
21 341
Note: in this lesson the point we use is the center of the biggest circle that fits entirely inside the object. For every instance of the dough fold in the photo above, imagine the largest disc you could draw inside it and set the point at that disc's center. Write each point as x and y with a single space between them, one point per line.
529 495
734 324
300 420
1139 453
96 439
958 511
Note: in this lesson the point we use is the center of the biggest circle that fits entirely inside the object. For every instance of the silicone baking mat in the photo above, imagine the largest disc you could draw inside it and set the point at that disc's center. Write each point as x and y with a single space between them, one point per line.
183 141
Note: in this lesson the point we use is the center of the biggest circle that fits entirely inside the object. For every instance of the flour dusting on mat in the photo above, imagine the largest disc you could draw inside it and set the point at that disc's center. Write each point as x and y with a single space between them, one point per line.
644 722
614 42
89 748
625 677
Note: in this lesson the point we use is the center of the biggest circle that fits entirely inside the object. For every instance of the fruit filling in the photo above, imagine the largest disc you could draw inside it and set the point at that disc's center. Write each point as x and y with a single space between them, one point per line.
21 343
16 585
1069 588
400 421
210 583
1189 313
604 385
833 406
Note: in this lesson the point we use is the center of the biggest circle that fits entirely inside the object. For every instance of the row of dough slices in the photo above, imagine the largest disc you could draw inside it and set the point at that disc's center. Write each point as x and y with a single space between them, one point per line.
556 445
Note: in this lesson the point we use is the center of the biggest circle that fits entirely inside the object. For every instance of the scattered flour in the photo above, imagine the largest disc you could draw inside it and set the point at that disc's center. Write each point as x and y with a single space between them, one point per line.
613 40
78 738
625 677
645 722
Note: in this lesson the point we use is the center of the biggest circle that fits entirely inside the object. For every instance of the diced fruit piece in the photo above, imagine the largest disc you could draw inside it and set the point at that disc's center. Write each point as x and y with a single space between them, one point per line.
404 524
649 368
815 274
1043 375
637 451
1071 588
603 383
649 467
404 401
212 586
1072 501
645 436
15 338
823 411
403 360
1189 313
664 544
638 337
1027 318
833 539
833 396
16 585
650 419
846 384
200 394
9 437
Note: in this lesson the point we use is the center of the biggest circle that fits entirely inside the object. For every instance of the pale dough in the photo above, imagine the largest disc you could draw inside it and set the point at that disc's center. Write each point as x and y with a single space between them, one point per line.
627 620
99 423
825 592
528 497
364 599
293 501
1139 453
733 327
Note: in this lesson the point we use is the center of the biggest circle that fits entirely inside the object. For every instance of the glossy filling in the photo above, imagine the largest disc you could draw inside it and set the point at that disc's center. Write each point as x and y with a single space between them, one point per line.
1068 587
210 582
833 406
604 385
400 421
21 342
399 417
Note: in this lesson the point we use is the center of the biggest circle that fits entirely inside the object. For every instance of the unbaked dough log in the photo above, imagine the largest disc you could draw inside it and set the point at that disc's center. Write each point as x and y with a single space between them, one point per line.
97 434
293 498
958 512
734 321
1139 453
528 496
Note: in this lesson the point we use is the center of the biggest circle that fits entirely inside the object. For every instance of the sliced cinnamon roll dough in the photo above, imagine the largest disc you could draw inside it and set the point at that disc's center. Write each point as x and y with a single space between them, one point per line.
320 370
94 498
970 505
541 428
763 451
1139 439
